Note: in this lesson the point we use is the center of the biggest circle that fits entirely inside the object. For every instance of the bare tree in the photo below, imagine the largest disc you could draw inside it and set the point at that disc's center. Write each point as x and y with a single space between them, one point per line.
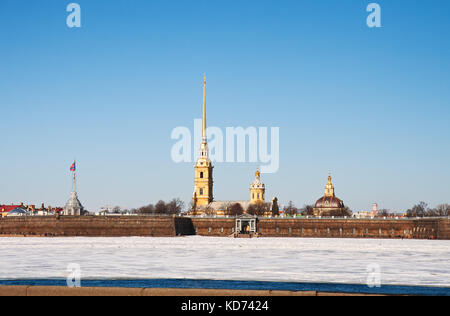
116 210
307 210
149 209
290 209
174 207
418 210
443 210
235 210
258 209
346 211
161 207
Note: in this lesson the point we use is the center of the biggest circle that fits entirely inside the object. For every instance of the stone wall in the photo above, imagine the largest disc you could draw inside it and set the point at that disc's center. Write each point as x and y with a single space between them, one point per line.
95 226
23 291
332 228
345 228
444 229
142 226
219 227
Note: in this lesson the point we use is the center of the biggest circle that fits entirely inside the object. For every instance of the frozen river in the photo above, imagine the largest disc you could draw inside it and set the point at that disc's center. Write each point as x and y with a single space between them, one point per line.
401 262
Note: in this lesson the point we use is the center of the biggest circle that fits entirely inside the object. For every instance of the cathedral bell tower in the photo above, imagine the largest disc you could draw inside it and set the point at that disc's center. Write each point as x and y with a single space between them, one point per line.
257 190
203 194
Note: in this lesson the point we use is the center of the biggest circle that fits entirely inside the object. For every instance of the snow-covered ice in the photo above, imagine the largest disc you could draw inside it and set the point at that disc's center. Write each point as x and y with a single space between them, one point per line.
402 262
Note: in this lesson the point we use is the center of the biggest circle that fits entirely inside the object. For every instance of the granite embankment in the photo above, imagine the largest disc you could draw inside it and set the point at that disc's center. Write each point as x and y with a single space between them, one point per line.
109 291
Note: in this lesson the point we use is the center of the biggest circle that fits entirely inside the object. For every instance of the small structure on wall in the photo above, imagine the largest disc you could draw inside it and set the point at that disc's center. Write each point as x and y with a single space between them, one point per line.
246 225
74 206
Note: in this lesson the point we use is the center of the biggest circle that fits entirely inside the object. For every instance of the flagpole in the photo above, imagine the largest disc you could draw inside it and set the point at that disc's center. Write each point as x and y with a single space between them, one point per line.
75 177
74 185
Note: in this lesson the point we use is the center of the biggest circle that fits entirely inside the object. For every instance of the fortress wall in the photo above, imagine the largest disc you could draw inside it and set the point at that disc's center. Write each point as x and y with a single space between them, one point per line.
338 228
184 226
218 227
444 229
426 228
94 226
332 228
142 226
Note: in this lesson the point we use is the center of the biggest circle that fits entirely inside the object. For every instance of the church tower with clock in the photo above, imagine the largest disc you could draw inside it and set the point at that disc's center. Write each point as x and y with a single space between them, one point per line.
203 194
257 190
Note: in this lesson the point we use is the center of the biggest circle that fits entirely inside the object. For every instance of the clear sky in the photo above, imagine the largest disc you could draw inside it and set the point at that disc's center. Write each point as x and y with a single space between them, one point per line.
370 105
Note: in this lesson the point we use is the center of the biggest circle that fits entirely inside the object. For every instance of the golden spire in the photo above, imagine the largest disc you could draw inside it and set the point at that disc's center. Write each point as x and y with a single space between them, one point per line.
329 188
205 138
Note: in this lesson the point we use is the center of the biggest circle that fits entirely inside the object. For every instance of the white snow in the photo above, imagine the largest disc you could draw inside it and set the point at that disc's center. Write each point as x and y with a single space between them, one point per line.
402 262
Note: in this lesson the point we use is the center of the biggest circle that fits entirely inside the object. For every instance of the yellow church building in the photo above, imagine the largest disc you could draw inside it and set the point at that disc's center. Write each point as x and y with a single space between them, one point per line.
203 202
203 199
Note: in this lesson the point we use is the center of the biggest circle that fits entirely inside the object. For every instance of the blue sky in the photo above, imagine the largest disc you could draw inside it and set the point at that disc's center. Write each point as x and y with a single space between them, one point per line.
370 105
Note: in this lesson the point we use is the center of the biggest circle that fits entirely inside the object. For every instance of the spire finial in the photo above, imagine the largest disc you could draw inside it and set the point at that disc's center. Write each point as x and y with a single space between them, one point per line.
204 136
329 188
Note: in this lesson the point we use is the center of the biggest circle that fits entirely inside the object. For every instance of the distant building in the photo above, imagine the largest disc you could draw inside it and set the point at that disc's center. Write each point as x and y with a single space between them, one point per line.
74 206
31 210
6 209
329 204
257 190
369 214
18 212
203 198
220 208
375 210
203 193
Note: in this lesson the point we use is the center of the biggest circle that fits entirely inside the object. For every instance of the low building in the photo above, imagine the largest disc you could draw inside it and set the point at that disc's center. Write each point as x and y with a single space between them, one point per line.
6 209
18 212
222 208
368 214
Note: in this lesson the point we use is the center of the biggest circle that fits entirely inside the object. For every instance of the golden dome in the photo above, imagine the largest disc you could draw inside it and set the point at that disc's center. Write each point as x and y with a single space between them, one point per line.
329 200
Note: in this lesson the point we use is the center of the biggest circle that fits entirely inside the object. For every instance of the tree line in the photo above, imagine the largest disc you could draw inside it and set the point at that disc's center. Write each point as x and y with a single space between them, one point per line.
422 210
174 207
273 209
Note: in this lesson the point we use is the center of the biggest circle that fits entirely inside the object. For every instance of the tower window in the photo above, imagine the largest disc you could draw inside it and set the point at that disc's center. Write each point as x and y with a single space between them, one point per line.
201 175
201 191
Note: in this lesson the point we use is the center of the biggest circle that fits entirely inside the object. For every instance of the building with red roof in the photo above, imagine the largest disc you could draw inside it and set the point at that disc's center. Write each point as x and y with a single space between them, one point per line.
5 209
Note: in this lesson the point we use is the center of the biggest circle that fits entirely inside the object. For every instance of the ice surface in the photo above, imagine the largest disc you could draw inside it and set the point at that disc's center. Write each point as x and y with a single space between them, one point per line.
402 262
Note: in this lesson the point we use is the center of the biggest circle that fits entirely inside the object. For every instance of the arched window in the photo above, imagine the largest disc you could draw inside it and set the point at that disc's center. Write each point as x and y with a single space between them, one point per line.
201 175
